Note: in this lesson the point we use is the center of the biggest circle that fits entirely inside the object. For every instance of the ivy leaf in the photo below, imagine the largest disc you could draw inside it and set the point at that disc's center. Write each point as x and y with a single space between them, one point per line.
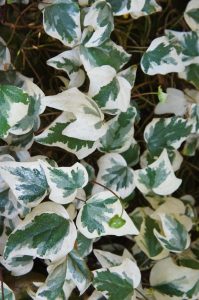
53 136
88 123
115 175
119 135
5 59
93 218
99 56
7 208
161 58
190 74
167 133
69 61
18 266
100 18
14 107
111 90
67 27
191 15
148 242
77 271
150 7
107 259
46 233
118 282
127 6
177 281
53 286
84 245
158 177
175 238
26 180
65 181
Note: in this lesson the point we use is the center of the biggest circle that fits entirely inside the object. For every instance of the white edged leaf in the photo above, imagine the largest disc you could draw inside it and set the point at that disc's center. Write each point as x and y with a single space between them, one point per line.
150 7
111 90
27 181
190 73
84 245
5 59
69 61
99 56
161 58
100 18
78 271
65 181
167 133
176 281
157 177
175 237
175 103
53 136
7 207
191 15
88 123
119 135
46 233
107 259
194 117
117 282
18 266
124 7
147 241
66 27
115 175
95 217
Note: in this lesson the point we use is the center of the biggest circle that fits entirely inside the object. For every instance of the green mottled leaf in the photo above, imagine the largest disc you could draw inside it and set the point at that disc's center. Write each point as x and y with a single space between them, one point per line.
66 27
46 232
99 56
166 133
100 18
84 245
175 238
69 61
115 175
118 282
53 136
191 15
119 135
111 90
65 181
7 208
161 58
157 177
77 271
8 294
191 74
93 218
26 180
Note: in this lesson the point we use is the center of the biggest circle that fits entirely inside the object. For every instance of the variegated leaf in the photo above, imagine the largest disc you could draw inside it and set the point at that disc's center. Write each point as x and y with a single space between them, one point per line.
111 90
88 124
27 181
99 56
157 177
127 6
84 245
150 7
53 136
69 61
161 58
115 175
100 18
175 281
175 238
147 241
66 27
65 181
95 218
190 73
18 266
5 59
78 271
167 133
7 207
52 288
107 259
118 282
119 135
46 232
191 15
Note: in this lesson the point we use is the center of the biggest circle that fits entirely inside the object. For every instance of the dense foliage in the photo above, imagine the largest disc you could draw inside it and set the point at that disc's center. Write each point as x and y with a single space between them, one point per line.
98 158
